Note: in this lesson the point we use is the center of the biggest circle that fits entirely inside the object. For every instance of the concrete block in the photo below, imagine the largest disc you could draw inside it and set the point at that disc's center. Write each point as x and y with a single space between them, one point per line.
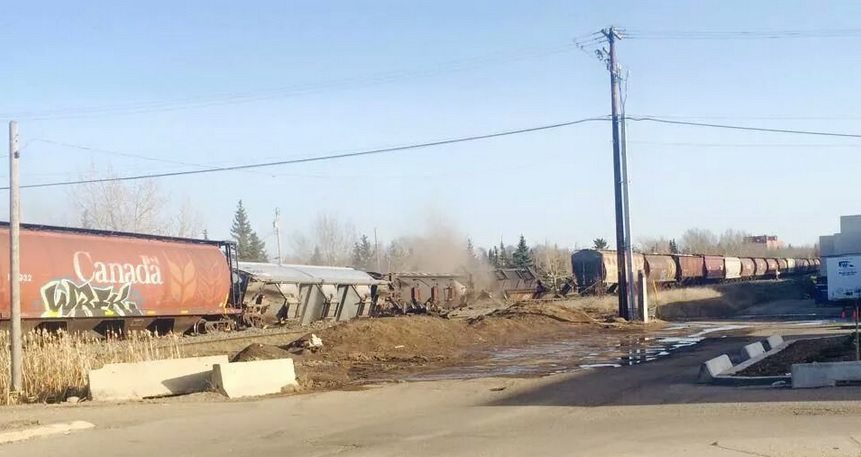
714 367
827 374
250 379
773 341
752 350
155 378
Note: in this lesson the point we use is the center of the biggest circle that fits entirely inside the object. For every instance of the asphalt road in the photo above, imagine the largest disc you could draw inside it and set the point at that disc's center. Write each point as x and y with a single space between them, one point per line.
655 409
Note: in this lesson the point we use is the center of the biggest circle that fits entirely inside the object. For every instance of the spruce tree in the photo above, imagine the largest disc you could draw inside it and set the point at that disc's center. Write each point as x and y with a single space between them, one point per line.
363 253
251 248
520 257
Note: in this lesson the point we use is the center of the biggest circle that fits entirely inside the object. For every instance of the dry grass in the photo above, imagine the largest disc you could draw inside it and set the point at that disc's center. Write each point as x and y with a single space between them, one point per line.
56 364
717 300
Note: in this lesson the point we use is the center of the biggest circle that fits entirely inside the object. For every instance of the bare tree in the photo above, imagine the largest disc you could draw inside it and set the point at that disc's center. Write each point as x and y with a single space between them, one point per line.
552 262
131 206
330 237
699 241
123 206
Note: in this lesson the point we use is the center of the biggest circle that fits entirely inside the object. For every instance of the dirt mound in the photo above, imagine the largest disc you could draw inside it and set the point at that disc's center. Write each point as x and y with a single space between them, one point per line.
551 310
259 351
374 349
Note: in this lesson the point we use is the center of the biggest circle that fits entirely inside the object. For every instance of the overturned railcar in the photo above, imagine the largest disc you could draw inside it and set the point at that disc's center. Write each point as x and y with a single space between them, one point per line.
305 293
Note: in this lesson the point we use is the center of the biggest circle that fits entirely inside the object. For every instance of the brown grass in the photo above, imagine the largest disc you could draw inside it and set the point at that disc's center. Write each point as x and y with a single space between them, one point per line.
717 300
56 364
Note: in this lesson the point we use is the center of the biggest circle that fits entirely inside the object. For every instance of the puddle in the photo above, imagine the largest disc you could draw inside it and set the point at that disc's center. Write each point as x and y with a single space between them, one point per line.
590 349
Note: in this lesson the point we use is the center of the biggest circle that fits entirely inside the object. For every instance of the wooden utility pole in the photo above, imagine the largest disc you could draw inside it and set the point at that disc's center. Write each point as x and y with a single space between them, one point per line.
16 349
624 257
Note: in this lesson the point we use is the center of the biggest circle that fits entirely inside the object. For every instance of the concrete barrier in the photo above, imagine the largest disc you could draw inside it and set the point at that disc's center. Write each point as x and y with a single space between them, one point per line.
752 350
826 374
251 379
774 341
712 368
155 378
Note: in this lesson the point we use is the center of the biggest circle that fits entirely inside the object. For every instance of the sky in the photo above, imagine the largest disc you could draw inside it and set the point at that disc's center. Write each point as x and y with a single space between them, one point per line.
217 83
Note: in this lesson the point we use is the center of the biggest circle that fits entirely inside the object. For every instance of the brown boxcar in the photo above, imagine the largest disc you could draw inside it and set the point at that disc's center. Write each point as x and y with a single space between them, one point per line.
689 268
771 266
714 266
761 267
748 267
660 268
81 278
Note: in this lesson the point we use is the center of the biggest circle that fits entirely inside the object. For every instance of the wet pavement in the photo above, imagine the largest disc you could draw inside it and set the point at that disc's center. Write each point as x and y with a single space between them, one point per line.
592 349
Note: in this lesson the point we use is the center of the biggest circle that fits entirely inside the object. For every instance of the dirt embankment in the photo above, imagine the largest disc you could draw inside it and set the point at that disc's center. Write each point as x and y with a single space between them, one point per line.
368 349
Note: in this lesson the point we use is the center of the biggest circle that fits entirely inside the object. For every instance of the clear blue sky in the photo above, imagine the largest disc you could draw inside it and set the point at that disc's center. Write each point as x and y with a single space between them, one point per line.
451 68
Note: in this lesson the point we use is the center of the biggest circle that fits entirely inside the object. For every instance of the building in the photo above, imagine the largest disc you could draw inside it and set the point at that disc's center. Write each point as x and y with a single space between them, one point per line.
769 241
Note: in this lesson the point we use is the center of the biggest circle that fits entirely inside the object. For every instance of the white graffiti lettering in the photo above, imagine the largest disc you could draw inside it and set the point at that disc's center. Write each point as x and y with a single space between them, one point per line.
64 298
88 270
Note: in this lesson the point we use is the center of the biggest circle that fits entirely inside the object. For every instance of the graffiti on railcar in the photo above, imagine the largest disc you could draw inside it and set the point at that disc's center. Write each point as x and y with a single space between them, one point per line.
64 298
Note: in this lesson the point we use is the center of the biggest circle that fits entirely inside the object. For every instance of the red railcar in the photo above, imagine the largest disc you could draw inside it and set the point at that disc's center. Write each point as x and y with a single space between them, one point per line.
714 267
89 279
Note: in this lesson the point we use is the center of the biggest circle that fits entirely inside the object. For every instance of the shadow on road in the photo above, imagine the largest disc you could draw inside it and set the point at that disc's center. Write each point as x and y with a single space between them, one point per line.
672 380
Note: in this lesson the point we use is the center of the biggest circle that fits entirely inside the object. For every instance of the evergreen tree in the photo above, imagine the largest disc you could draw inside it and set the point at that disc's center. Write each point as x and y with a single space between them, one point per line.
600 243
520 257
674 247
470 250
251 248
316 258
493 256
363 253
502 259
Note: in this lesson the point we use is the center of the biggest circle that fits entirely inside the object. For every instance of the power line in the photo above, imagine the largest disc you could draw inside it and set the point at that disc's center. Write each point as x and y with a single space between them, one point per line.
738 34
747 145
318 158
741 127
127 154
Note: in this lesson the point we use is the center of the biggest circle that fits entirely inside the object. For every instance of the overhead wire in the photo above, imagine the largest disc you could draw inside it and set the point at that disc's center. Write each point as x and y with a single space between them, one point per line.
317 158
741 127
738 34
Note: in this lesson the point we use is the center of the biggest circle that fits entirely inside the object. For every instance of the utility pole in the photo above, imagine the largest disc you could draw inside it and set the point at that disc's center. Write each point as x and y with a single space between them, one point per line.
624 261
17 348
276 224
377 251
633 296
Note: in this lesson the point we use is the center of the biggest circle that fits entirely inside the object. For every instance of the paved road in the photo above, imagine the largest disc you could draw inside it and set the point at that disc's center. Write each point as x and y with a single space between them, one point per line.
648 410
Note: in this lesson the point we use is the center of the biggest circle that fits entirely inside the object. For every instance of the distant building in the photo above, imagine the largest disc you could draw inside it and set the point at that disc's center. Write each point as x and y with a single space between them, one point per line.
769 241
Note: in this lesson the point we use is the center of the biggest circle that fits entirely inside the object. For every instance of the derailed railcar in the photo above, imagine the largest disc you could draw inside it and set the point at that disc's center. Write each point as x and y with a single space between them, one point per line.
80 279
305 293
597 271
420 292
